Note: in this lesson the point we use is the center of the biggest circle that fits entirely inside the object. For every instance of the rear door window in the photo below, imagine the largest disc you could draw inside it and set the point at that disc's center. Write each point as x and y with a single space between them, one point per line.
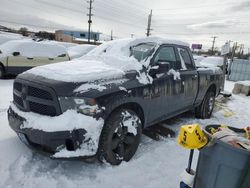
186 61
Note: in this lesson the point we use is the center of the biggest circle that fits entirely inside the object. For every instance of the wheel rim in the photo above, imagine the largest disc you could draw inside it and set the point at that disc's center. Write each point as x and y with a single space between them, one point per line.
122 140
210 104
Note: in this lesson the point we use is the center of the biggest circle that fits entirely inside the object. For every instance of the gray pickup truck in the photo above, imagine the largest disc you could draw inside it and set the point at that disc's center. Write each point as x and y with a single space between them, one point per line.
99 104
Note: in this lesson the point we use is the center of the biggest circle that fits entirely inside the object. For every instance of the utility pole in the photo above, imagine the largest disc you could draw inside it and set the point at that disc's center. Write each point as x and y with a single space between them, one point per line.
149 23
214 38
90 15
111 35
234 49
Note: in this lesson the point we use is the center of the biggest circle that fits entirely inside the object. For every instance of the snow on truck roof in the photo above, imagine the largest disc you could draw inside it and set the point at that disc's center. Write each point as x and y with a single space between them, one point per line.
107 61
29 48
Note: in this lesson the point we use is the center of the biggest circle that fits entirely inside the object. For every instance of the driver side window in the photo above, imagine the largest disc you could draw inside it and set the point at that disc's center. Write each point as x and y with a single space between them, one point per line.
166 54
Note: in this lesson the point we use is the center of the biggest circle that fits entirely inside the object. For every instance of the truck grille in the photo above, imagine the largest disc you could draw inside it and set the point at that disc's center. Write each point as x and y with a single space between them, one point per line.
30 97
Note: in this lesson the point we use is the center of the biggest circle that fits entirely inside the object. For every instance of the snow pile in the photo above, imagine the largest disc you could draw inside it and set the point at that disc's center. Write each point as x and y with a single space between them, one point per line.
79 50
107 61
31 49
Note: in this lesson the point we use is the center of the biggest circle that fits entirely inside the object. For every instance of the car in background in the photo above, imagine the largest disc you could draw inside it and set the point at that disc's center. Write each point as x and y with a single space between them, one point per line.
17 56
213 61
79 50
198 59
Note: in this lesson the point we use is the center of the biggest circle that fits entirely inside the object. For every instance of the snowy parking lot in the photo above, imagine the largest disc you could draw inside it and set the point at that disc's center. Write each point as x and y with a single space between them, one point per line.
156 163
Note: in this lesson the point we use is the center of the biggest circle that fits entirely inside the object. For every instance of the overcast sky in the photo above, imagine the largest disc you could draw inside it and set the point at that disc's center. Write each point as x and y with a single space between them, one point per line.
194 21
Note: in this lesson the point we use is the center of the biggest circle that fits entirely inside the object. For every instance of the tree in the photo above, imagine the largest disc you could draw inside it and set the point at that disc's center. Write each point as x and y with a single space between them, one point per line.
23 31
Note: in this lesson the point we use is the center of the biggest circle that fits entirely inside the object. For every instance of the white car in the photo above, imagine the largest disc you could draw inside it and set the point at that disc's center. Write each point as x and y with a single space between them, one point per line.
17 56
79 50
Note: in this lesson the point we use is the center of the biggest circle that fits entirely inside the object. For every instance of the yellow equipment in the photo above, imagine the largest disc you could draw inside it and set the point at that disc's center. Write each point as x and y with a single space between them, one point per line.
192 137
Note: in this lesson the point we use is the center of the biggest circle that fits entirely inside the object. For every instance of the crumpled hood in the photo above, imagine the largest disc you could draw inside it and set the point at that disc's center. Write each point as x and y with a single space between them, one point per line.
87 69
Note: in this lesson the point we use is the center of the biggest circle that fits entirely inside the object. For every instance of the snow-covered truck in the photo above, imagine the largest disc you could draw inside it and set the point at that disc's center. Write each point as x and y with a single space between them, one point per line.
97 105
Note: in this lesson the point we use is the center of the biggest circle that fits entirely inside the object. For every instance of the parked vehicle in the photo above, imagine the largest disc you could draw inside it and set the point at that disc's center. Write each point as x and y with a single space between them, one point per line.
100 103
17 56
213 61
198 59
79 50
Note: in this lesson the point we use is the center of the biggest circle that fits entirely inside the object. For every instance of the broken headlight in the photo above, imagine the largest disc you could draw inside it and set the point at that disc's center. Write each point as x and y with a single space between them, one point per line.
86 106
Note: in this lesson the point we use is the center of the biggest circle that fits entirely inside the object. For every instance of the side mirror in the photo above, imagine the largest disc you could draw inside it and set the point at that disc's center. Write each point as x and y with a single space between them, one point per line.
16 53
164 67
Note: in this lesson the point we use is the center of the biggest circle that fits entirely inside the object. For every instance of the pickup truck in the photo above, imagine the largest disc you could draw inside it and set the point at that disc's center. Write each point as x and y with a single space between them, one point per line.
17 56
99 104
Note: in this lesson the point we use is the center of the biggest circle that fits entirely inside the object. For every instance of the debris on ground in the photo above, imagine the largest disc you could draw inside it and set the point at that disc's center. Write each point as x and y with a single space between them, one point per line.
238 138
242 87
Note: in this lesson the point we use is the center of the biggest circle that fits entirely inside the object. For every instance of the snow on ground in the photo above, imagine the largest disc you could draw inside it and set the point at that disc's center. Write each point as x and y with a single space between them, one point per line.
156 163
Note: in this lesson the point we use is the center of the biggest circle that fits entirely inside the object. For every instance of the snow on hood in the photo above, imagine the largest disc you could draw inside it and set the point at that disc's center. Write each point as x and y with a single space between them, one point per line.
108 61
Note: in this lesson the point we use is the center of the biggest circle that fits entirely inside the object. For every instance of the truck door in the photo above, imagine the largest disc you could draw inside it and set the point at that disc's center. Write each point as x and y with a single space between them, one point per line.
189 76
166 90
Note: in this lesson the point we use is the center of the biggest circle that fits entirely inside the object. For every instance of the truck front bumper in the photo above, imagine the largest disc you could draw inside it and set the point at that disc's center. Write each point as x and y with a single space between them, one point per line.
48 143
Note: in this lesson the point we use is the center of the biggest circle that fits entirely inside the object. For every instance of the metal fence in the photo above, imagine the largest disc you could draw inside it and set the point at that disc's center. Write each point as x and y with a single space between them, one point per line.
239 70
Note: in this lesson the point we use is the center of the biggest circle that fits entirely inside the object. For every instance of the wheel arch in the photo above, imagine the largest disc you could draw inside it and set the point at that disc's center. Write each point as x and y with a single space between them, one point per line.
213 88
137 108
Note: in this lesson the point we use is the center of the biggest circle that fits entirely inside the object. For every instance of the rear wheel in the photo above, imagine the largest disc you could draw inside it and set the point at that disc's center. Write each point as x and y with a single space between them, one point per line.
1 72
205 110
120 137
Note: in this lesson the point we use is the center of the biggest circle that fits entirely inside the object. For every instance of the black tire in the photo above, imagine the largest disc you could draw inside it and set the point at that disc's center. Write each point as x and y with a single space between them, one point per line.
205 109
1 72
118 143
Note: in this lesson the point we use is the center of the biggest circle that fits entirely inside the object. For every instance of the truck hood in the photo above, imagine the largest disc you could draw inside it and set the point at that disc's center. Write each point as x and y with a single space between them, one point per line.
90 89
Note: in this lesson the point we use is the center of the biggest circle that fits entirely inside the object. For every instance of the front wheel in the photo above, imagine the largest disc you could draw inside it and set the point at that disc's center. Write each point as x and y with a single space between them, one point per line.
120 137
205 110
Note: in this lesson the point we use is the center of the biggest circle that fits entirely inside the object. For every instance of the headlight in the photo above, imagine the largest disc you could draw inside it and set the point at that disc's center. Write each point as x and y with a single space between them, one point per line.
85 106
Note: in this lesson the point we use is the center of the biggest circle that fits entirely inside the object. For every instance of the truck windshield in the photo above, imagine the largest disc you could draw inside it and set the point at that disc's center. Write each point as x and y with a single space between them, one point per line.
142 51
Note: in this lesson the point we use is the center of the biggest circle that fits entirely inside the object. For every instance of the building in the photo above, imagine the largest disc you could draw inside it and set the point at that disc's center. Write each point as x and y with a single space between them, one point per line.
79 37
